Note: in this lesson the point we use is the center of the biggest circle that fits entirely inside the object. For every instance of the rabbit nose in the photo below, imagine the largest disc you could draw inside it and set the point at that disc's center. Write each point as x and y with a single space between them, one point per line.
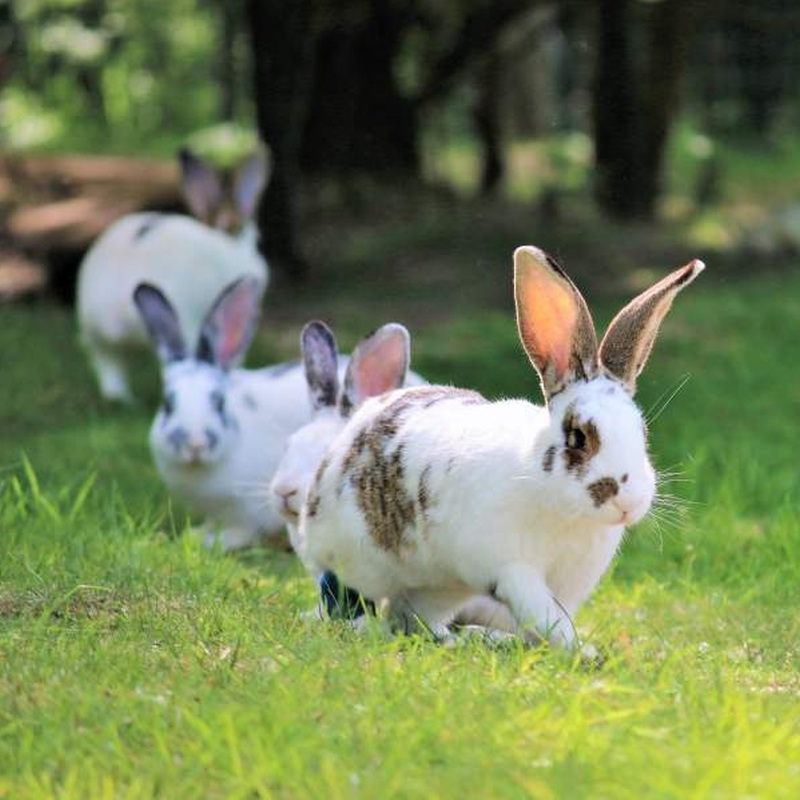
197 445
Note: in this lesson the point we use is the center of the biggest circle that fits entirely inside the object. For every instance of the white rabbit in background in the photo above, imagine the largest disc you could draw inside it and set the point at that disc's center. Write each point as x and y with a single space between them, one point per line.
189 259
220 431
433 495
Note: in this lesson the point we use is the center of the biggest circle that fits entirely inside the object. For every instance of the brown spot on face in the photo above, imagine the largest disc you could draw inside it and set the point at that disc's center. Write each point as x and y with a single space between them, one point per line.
321 469
603 490
582 440
549 458
312 501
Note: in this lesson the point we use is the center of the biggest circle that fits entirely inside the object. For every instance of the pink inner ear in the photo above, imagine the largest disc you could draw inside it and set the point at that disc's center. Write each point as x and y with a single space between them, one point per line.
234 320
548 318
380 367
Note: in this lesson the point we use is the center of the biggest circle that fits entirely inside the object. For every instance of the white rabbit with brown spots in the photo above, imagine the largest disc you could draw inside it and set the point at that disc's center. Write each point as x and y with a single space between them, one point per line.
336 387
433 495
189 259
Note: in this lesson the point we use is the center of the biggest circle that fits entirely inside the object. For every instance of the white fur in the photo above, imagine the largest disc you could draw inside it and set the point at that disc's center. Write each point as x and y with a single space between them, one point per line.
191 262
227 486
501 513
498 521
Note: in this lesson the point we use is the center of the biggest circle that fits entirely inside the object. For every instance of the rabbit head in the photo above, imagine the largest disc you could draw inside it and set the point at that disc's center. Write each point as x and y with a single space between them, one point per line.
378 364
196 425
223 201
595 445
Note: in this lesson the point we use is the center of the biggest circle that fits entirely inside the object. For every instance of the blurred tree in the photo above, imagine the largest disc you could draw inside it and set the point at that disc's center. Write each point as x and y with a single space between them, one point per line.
8 38
283 38
231 17
359 119
641 52
338 88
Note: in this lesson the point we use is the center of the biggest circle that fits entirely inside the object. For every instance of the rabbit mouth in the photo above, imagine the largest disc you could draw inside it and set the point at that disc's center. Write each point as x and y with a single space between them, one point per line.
196 459
288 513
628 514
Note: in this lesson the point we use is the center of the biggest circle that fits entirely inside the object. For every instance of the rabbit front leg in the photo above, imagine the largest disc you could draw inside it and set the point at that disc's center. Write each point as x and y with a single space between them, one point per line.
228 539
430 610
540 616
108 364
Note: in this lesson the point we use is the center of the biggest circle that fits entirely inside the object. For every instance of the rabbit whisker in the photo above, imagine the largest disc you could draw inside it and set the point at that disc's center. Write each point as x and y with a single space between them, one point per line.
658 408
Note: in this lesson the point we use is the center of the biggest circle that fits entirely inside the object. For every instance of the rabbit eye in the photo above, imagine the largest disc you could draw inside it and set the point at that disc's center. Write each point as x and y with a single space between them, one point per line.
576 439
218 402
168 404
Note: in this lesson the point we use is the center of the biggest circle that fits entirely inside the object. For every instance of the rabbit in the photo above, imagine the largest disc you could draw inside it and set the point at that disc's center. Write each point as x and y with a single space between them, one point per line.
190 259
433 495
336 386
379 363
220 431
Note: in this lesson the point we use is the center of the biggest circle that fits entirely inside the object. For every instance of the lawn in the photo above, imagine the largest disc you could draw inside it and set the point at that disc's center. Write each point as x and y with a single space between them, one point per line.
135 664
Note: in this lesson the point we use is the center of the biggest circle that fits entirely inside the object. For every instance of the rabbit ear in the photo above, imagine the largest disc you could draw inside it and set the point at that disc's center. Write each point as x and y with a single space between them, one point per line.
161 321
630 336
201 185
230 324
321 362
554 322
378 364
251 179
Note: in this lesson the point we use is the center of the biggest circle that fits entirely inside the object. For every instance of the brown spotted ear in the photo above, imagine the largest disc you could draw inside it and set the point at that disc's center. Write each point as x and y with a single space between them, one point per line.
554 322
630 336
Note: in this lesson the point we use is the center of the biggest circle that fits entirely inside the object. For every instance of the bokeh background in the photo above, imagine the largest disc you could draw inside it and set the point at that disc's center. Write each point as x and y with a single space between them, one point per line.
629 133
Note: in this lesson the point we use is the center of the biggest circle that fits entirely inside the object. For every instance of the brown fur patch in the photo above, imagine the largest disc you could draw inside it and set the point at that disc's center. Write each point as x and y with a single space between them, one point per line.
577 459
424 491
373 466
603 490
549 458
381 494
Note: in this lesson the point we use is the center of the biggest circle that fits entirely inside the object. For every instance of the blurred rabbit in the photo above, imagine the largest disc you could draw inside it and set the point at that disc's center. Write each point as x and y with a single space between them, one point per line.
220 432
190 260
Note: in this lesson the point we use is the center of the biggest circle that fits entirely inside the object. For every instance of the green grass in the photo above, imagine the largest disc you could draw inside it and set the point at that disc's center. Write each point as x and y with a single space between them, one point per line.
134 664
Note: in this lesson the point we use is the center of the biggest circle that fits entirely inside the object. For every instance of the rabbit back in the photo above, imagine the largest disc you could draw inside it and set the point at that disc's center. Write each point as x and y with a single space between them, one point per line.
188 260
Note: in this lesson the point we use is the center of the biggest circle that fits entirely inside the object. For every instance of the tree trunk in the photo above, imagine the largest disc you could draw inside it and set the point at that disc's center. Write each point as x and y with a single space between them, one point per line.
230 15
359 121
283 46
635 99
487 123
